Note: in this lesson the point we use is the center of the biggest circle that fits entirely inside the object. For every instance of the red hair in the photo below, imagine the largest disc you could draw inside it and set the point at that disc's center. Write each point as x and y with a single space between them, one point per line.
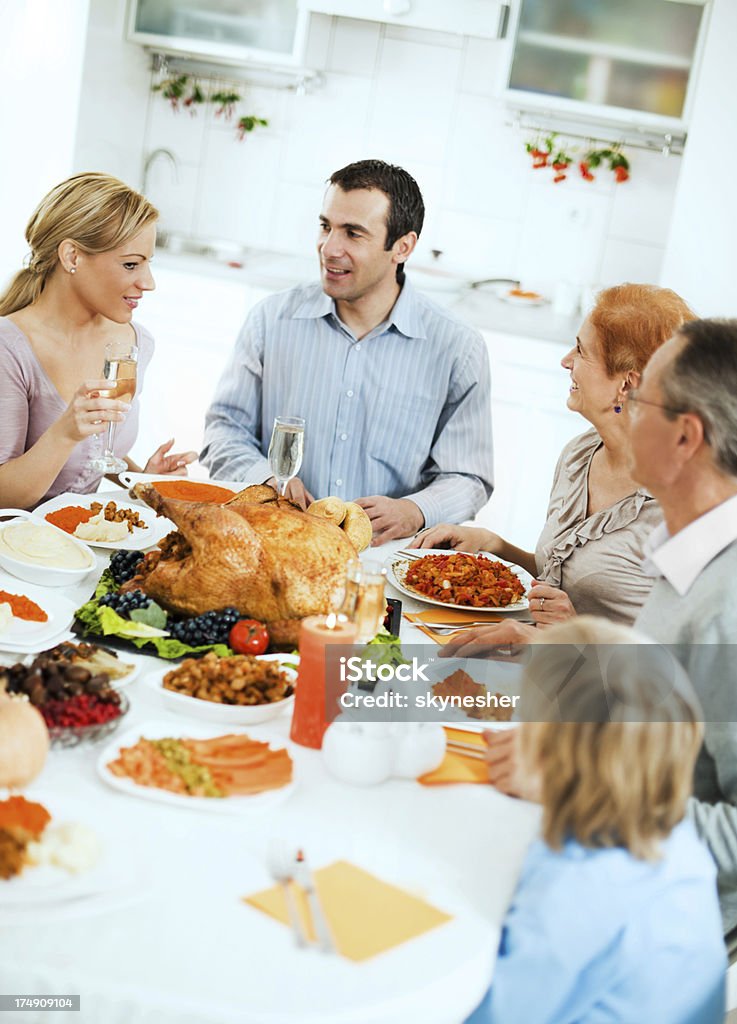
632 320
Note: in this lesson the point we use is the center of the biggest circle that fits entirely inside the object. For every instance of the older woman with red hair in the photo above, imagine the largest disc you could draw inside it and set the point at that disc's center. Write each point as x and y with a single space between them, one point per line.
588 559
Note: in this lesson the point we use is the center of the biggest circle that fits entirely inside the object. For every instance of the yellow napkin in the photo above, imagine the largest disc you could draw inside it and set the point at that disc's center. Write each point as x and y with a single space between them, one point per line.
455 767
366 916
448 617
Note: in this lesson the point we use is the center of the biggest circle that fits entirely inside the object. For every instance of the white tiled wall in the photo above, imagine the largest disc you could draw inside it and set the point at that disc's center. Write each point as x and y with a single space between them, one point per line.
426 100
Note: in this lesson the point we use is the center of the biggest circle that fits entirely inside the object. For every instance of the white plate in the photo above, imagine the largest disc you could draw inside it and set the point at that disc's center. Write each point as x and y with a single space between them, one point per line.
139 540
48 885
397 565
495 676
25 636
131 479
228 714
153 730
25 655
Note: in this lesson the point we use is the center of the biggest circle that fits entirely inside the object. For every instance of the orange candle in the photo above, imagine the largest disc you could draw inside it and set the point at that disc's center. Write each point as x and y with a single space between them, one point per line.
309 721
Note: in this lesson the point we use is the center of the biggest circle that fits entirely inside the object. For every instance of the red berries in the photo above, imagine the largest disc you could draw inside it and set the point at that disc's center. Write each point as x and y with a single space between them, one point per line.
80 710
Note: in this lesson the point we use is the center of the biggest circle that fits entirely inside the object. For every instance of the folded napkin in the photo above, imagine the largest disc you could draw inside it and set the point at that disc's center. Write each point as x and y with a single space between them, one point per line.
448 617
366 916
457 767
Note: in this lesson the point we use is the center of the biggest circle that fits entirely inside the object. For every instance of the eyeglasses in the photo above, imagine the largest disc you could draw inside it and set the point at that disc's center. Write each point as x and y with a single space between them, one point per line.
633 396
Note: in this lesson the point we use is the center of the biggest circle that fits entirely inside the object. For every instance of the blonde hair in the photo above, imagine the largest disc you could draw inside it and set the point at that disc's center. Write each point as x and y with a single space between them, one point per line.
632 320
98 212
612 731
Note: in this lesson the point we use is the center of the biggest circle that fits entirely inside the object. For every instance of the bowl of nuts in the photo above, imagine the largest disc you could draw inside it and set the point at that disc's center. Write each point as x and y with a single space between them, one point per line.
236 690
77 705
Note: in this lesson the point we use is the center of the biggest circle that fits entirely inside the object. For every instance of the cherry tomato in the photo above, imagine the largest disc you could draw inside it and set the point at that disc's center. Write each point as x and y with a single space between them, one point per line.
249 637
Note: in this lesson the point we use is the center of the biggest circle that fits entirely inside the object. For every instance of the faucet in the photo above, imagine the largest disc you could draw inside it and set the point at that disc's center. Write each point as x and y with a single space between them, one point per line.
151 159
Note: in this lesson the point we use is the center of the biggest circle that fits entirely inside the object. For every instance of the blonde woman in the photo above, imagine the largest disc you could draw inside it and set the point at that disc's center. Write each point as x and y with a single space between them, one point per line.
615 916
588 559
91 242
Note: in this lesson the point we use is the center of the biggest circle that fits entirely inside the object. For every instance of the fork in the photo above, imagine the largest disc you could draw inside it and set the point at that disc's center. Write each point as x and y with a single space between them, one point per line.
412 556
281 872
447 627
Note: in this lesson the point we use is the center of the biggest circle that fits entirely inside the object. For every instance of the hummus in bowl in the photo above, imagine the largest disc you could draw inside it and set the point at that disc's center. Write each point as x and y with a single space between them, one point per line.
40 553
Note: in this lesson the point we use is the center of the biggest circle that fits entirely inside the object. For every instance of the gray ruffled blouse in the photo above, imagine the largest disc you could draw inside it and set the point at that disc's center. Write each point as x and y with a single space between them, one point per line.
596 559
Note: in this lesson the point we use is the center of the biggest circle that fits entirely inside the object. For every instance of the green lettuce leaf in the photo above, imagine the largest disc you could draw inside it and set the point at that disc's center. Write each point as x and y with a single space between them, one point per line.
101 621
152 615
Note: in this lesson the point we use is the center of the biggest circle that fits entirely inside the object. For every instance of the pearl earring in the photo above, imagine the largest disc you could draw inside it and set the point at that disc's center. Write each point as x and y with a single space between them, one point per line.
72 270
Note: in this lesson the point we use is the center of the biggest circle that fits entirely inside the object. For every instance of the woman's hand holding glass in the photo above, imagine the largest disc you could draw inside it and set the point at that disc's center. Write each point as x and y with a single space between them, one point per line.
88 411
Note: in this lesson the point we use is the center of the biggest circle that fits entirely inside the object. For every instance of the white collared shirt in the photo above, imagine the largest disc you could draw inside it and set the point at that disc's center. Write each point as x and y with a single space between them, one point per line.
683 557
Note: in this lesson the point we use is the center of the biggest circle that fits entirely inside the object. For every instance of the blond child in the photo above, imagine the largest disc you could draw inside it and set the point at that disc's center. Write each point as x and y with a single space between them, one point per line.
615 917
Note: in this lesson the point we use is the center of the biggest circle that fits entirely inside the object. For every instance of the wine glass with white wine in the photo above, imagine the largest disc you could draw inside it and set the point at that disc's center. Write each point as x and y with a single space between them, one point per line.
121 360
286 449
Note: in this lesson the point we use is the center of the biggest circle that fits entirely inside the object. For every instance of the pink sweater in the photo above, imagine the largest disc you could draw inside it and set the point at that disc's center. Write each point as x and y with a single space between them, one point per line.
29 404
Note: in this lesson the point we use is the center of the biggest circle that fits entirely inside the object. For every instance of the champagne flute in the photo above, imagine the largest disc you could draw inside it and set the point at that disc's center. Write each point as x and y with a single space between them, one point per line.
364 602
121 358
286 449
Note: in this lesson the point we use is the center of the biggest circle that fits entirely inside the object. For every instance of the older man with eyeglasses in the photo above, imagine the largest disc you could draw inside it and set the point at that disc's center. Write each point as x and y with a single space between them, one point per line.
684 444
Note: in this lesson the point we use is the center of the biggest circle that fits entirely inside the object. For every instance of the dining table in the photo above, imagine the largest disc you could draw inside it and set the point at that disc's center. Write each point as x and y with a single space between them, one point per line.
164 935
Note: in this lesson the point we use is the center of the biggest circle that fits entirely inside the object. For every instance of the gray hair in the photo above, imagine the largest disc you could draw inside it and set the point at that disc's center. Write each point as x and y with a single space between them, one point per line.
703 379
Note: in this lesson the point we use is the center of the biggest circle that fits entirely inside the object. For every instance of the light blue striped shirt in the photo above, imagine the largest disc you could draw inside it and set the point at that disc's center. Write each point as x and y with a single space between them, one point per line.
403 412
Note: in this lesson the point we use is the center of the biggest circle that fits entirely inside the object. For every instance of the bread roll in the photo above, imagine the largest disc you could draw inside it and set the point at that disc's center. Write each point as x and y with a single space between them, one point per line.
357 526
329 508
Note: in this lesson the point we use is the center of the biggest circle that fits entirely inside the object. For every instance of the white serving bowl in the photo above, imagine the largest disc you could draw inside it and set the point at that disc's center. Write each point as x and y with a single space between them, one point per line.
225 714
43 575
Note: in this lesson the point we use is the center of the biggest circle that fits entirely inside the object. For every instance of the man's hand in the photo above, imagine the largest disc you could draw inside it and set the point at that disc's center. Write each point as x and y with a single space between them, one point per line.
505 773
161 462
296 491
391 518
486 641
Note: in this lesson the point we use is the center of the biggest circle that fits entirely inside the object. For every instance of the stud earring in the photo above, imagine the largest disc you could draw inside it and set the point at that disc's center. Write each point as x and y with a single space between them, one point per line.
617 407
72 270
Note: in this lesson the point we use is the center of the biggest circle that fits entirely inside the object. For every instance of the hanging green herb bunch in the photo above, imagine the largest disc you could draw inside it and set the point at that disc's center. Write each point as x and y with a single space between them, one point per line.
618 163
184 92
173 89
226 101
550 152
247 124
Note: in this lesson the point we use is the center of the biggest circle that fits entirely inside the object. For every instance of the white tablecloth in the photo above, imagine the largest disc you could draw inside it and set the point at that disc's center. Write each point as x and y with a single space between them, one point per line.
170 941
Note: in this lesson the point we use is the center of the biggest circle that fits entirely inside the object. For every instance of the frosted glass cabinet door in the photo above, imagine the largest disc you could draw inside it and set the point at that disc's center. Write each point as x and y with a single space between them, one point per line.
263 27
633 54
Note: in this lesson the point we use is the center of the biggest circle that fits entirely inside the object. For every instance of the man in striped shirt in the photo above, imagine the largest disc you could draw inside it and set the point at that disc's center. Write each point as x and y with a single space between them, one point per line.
395 391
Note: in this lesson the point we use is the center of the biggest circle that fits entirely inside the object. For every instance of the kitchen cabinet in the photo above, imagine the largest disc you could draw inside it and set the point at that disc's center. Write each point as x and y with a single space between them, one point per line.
463 17
226 31
630 60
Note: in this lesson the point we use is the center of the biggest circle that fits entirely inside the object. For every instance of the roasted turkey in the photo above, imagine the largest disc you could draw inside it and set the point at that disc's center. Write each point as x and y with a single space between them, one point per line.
257 552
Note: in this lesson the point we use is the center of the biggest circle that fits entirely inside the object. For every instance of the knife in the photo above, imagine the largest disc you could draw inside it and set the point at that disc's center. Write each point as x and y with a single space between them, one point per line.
303 877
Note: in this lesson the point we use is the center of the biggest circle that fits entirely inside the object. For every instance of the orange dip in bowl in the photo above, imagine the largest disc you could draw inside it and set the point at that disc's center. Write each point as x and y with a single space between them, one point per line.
192 490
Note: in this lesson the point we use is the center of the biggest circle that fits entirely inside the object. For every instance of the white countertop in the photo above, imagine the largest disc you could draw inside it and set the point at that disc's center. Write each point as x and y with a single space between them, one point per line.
480 306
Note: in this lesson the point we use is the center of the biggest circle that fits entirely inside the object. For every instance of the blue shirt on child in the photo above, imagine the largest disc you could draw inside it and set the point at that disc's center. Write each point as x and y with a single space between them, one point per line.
598 936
